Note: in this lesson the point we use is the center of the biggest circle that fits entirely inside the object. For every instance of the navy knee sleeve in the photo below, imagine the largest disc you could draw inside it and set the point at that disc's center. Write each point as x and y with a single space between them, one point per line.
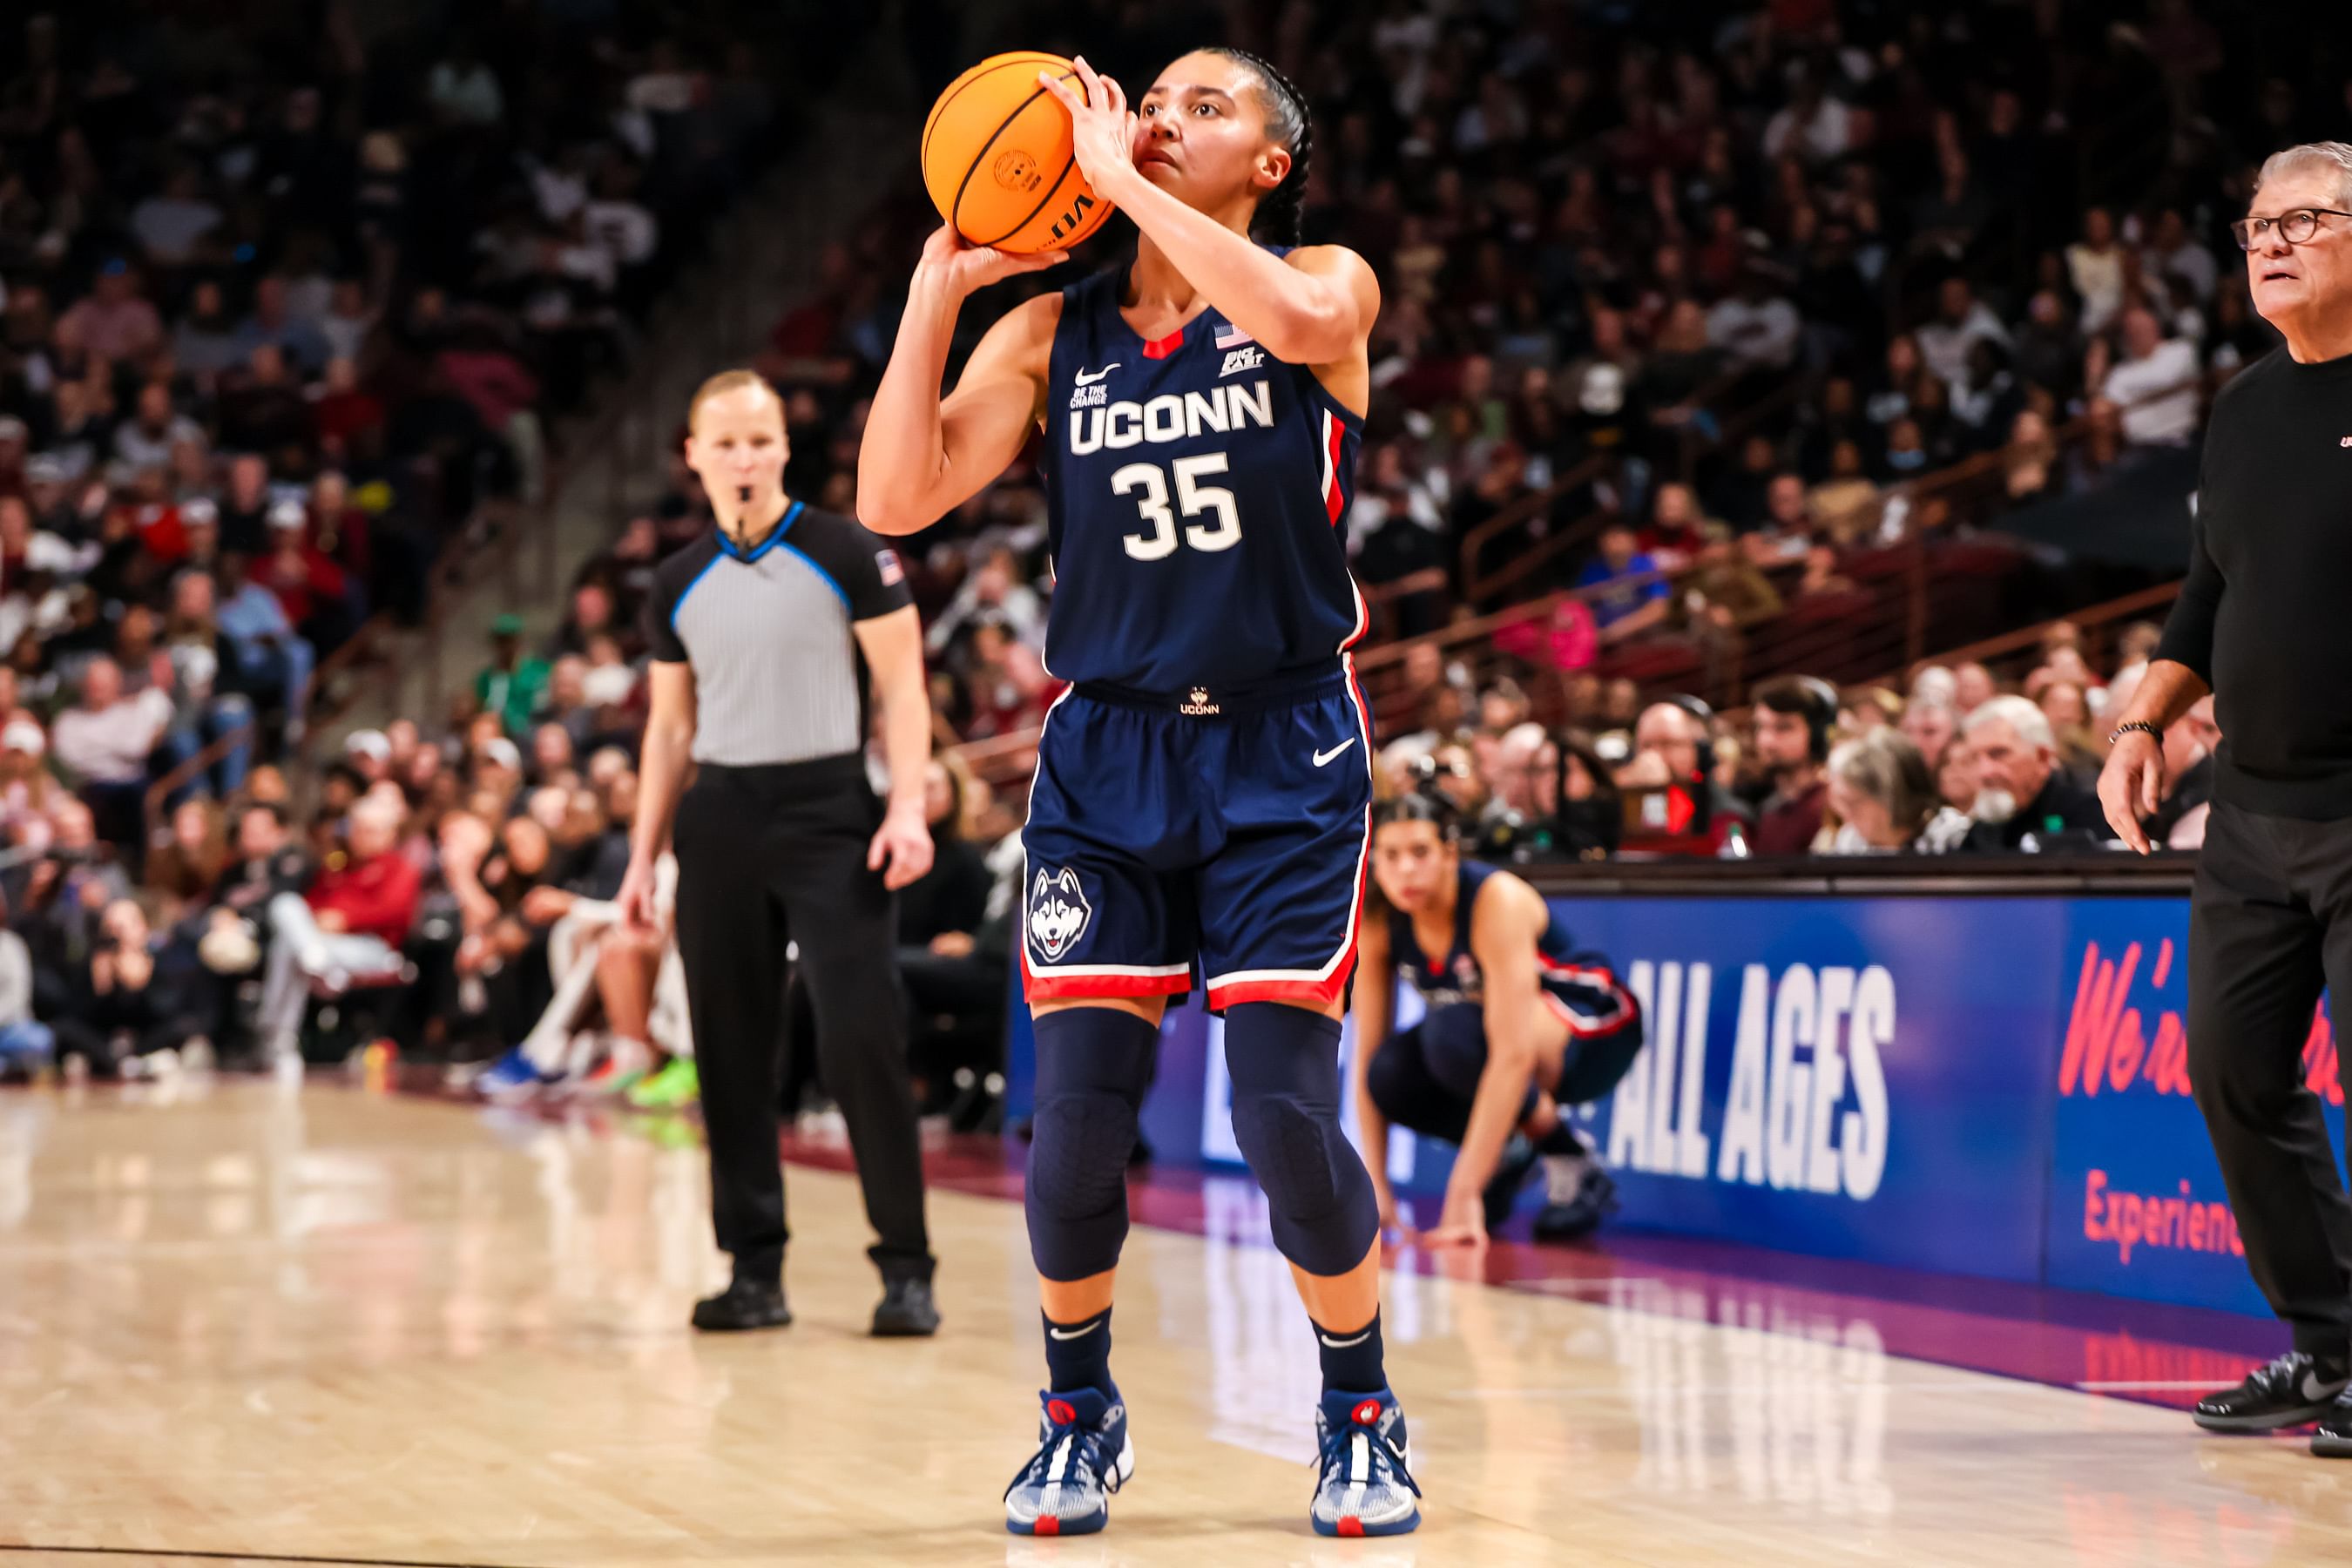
1093 1066
1284 1063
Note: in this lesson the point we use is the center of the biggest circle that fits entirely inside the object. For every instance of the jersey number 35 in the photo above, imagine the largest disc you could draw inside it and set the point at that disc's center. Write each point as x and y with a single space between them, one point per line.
1196 500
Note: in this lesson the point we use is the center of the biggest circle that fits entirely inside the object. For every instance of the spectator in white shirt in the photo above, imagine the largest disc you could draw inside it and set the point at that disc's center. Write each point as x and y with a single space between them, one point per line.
2095 263
1756 329
618 221
994 588
2155 384
170 225
2171 253
463 90
1961 320
1814 127
145 440
105 743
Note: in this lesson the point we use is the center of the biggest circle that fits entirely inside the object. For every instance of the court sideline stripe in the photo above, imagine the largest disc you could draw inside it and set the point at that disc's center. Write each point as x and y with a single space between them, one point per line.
151 1551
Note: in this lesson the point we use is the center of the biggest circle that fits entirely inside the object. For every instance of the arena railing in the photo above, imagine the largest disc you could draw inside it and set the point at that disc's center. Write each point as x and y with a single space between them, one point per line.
2011 654
1485 589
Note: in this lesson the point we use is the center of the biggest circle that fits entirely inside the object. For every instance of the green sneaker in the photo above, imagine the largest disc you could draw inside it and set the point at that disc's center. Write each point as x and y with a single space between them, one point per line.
670 1132
674 1087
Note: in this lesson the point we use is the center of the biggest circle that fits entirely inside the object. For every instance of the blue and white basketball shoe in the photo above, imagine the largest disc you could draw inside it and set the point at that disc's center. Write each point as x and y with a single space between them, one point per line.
512 1076
1363 1487
1084 1454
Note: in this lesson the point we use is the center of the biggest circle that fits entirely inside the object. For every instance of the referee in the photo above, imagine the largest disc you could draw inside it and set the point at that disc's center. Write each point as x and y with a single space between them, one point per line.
756 633
2260 622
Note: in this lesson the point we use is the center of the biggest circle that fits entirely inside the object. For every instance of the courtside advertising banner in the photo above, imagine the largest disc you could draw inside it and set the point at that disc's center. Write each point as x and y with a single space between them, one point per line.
1983 1086
2137 1205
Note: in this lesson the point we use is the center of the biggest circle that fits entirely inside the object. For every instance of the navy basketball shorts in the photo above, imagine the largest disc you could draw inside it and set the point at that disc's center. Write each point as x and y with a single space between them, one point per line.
1204 831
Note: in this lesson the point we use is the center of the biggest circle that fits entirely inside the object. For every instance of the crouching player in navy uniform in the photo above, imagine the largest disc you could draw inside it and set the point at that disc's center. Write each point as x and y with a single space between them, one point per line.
1203 794
1520 1024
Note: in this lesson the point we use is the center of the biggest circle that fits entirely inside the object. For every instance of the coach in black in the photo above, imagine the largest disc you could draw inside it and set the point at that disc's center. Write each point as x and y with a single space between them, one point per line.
757 633
2262 622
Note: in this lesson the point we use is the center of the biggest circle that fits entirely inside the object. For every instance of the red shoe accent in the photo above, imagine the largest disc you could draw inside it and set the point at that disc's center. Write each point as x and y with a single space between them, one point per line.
1349 1525
1366 1413
1048 1524
1060 1411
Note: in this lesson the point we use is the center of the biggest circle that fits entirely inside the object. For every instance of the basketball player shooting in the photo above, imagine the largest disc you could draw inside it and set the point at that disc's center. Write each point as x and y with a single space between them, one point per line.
1203 790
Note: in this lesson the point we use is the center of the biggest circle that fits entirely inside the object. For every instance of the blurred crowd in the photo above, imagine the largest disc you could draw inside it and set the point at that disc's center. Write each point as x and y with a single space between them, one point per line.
1964 761
284 298
1699 307
1739 280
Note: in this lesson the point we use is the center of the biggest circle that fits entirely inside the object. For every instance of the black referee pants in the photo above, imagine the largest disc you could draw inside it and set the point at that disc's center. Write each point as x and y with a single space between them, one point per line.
2270 924
768 855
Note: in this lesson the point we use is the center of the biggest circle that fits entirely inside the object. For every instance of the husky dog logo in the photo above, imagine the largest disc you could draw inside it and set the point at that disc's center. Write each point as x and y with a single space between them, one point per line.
1058 914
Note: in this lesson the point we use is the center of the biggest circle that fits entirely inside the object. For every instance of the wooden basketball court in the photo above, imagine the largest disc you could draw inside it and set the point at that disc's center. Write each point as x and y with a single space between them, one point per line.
245 1321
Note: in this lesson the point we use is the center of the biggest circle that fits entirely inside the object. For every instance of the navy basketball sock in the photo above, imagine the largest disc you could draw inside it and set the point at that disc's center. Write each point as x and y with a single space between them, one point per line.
1351 1362
1077 1355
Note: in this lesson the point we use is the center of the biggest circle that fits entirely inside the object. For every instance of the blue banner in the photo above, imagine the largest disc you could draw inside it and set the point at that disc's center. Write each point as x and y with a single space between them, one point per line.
2137 1205
1984 1086
1852 1077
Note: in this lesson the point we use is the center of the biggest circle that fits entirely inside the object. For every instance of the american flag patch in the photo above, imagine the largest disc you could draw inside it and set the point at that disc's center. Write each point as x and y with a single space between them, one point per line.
1232 337
892 573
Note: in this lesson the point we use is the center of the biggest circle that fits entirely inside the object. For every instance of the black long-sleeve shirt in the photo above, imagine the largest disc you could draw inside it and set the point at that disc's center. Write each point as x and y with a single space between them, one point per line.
2263 616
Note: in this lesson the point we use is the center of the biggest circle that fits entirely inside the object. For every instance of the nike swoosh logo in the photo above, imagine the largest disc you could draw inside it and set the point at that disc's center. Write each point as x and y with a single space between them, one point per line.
2313 1389
1360 1339
1075 1333
1086 380
1323 757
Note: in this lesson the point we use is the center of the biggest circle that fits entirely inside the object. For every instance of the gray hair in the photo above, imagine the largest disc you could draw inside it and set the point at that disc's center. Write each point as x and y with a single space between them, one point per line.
1935 685
2030 724
1887 768
2333 157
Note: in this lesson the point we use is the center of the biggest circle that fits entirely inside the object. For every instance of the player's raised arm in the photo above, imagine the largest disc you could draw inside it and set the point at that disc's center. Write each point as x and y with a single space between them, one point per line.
922 455
1314 307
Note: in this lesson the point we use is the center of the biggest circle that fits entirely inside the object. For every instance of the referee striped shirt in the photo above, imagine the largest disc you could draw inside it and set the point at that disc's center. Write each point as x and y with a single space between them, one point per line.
777 674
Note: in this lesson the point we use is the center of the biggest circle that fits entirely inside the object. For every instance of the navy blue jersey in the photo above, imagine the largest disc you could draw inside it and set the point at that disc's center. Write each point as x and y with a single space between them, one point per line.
1454 975
1197 491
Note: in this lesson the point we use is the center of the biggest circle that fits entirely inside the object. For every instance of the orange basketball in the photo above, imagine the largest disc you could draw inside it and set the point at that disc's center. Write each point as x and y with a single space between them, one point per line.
997 161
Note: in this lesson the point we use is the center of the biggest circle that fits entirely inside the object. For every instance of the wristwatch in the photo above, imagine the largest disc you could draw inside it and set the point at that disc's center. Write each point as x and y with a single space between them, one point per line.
2143 726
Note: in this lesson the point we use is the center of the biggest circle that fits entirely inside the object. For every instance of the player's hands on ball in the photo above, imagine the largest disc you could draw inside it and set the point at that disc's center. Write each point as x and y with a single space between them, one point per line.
967 266
901 849
2132 786
1102 127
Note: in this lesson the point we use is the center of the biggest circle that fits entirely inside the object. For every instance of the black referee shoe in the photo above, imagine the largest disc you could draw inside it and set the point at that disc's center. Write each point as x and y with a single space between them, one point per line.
744 1304
2290 1391
2334 1439
906 1312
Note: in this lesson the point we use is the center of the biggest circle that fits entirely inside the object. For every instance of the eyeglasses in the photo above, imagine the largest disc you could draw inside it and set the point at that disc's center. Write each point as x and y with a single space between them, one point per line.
2295 227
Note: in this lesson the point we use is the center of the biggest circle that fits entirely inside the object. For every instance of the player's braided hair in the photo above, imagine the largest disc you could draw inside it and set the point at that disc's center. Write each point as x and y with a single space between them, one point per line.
1280 214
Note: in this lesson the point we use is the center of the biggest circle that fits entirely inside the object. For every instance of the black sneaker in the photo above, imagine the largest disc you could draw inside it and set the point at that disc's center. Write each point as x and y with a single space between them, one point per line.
744 1304
906 1312
2290 1391
1578 1195
2334 1439
1518 1158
